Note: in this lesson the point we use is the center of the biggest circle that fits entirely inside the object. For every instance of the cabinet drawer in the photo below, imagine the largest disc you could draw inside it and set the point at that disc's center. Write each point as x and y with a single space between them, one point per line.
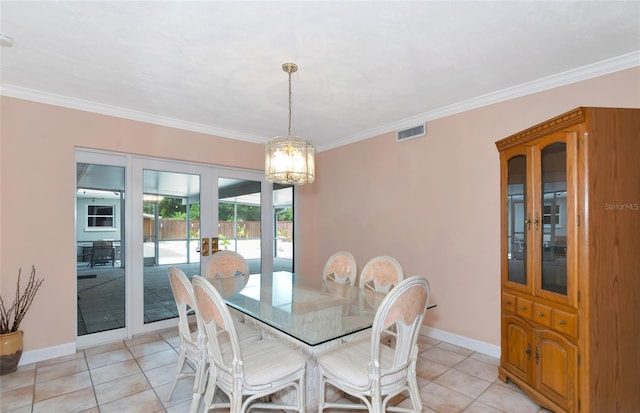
565 322
523 308
542 314
509 302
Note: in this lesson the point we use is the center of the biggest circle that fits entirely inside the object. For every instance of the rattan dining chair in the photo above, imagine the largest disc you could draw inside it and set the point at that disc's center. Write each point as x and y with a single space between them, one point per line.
193 343
370 369
341 267
226 264
381 273
246 374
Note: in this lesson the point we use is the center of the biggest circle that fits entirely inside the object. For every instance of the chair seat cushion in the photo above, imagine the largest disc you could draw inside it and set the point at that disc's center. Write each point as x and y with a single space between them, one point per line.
348 363
244 332
191 348
268 361
247 333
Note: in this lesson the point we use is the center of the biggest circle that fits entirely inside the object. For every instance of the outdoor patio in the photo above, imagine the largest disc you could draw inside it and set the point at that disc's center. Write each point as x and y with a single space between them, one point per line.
101 290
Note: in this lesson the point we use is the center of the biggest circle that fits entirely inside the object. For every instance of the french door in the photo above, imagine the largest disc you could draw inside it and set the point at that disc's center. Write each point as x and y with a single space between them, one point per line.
101 247
174 213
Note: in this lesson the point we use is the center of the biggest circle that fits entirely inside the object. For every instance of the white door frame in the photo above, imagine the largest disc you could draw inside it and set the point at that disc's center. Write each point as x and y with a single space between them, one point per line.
133 234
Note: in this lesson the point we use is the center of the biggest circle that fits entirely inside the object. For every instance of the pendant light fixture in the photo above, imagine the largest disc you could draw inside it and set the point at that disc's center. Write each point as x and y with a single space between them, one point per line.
289 159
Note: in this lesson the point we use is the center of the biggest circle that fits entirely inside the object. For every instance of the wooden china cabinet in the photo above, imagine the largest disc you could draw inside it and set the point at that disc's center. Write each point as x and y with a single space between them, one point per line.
570 258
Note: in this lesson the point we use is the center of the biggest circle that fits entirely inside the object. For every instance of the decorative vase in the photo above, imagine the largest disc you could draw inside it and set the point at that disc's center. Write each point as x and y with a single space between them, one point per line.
11 345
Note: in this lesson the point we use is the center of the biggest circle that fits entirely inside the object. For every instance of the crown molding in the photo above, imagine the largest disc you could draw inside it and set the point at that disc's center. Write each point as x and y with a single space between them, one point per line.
605 67
594 70
103 109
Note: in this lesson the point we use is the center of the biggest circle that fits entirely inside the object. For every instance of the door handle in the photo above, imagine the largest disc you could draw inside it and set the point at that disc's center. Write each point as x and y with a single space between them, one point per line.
204 251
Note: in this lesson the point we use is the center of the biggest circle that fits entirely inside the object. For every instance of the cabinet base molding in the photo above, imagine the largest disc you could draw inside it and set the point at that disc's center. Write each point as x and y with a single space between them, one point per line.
533 394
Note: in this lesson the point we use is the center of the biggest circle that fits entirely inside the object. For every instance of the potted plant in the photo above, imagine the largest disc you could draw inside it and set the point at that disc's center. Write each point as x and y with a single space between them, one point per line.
11 343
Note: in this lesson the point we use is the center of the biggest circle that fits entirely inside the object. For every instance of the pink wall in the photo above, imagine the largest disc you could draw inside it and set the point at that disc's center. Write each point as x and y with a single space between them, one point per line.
430 202
433 202
38 199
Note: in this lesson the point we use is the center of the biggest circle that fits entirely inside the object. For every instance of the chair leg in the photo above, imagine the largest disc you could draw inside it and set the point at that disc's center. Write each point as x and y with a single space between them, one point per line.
302 394
414 390
210 390
195 403
376 405
414 394
200 382
321 398
376 401
198 386
181 360
236 403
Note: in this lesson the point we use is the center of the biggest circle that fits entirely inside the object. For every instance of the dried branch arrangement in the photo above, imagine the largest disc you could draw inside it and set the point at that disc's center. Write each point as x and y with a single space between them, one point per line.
10 319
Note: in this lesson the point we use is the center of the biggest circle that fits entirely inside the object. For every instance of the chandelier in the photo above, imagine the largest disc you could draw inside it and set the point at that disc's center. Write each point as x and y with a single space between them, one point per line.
289 159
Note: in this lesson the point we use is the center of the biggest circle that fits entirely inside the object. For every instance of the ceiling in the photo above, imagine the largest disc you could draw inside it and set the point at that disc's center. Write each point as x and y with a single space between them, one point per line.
365 67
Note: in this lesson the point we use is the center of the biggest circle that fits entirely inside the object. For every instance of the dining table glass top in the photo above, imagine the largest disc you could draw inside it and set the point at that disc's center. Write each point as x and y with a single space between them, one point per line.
312 315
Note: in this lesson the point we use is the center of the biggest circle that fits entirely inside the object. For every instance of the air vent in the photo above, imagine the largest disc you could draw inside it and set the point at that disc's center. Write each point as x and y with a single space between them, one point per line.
410 133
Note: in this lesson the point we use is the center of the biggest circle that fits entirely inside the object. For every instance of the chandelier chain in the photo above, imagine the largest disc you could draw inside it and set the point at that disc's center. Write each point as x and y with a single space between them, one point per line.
290 103
289 160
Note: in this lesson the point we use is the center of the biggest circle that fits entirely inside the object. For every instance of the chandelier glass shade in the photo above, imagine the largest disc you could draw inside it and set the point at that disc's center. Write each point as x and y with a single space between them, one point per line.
289 159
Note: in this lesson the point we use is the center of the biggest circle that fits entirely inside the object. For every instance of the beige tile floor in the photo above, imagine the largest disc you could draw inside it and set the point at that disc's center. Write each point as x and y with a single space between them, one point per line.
135 375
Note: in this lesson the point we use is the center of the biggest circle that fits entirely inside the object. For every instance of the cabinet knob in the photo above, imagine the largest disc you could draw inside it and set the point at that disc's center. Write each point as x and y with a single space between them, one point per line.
508 302
561 322
540 314
524 307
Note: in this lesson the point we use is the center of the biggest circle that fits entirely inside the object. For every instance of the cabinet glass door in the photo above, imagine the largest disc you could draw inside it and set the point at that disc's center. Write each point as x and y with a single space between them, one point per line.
516 213
553 216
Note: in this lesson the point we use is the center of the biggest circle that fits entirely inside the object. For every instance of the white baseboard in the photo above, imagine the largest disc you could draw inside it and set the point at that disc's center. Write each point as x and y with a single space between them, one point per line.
462 341
34 356
42 354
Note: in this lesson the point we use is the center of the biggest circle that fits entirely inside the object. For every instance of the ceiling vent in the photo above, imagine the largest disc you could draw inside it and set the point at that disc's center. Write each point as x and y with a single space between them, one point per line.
412 132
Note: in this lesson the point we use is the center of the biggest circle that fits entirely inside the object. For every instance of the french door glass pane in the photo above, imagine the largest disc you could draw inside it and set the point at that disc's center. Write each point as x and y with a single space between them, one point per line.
517 205
239 219
554 217
283 234
100 248
171 234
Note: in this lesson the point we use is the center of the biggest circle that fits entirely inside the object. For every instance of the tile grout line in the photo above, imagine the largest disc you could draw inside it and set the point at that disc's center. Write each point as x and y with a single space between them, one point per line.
164 409
453 367
167 338
93 387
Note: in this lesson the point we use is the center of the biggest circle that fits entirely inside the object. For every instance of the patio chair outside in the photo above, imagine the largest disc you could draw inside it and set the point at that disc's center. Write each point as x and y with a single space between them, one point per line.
103 253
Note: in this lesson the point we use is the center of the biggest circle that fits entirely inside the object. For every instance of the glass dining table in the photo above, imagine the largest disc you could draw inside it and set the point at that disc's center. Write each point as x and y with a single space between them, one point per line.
311 319
310 315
